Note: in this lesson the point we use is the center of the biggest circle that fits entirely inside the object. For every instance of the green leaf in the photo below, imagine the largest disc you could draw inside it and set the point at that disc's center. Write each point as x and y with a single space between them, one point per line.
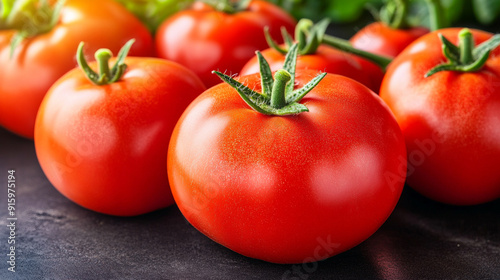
418 14
473 67
320 28
272 44
266 75
451 51
486 46
297 95
287 38
345 11
486 11
153 12
257 102
252 98
290 65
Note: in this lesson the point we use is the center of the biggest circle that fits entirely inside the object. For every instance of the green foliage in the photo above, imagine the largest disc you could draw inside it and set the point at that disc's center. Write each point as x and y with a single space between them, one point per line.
154 12
485 12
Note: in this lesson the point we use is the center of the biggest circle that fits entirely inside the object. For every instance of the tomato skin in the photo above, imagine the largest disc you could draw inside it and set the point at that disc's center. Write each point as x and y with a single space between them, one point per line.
380 39
105 147
450 121
39 61
262 185
204 40
325 59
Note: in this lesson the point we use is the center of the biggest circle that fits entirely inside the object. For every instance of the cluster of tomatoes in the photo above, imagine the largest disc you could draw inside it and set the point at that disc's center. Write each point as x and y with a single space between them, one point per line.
266 166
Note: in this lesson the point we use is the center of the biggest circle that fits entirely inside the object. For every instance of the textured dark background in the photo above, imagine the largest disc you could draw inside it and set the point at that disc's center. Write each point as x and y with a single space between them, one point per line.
56 239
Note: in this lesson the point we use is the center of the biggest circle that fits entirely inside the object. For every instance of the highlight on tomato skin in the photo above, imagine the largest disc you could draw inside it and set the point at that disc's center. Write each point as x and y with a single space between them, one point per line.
380 39
272 172
205 39
101 138
29 66
444 90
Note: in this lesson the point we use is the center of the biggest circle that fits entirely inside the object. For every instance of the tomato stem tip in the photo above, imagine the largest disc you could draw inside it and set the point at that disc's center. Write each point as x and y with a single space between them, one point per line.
105 75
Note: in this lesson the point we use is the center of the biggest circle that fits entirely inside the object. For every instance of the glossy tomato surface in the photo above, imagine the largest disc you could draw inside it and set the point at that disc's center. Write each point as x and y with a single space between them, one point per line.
326 59
39 61
204 39
105 147
381 39
288 189
451 121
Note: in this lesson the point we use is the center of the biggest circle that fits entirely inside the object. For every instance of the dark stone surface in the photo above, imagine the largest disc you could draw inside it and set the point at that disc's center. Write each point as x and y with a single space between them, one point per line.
56 239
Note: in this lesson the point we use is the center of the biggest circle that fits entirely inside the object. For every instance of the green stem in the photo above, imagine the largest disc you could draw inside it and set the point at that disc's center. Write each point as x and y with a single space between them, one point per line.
102 57
278 94
5 8
345 46
106 75
436 12
302 30
466 45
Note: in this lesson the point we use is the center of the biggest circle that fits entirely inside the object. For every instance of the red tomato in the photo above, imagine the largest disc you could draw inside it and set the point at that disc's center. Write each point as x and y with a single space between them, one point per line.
450 121
381 39
105 147
204 39
325 59
39 61
288 189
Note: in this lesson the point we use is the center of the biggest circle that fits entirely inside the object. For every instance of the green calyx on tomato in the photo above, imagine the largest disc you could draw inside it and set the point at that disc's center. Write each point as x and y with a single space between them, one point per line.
309 36
278 96
29 18
228 6
153 12
106 75
465 57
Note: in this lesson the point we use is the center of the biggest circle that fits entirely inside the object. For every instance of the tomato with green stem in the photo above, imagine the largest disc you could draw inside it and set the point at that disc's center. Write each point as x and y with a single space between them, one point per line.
223 36
102 138
449 114
393 33
38 42
271 167
317 56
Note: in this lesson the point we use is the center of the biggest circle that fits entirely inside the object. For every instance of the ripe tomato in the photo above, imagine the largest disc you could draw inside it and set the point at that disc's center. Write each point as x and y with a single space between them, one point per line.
381 39
281 188
325 59
450 121
105 147
39 61
204 39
